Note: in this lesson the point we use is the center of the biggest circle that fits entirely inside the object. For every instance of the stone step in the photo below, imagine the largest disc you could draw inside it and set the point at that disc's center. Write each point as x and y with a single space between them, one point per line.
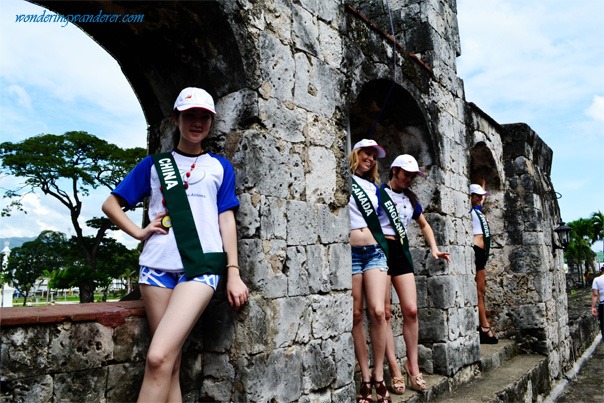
501 376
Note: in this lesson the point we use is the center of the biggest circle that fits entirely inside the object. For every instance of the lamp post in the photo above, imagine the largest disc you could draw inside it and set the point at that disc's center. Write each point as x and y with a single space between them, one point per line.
563 232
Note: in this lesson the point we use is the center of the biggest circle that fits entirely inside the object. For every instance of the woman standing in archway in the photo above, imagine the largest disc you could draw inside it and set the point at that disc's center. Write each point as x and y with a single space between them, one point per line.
482 240
369 267
401 206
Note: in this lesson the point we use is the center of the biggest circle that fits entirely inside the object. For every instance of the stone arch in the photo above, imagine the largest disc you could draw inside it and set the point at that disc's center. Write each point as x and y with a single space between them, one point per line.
483 167
179 44
389 114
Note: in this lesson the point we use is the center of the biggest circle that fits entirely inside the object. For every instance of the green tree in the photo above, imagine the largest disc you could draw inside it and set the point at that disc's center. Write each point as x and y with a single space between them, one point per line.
67 167
30 261
597 222
114 260
579 253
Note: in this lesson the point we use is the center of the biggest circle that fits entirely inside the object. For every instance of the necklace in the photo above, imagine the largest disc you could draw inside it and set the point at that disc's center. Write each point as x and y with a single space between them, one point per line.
185 180
188 174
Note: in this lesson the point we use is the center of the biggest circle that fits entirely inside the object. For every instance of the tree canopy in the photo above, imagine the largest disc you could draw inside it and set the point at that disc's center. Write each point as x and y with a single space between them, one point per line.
67 167
27 263
584 233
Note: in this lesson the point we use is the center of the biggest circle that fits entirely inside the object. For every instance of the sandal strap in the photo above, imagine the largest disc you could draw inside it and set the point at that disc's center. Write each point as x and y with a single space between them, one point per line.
398 384
419 379
365 392
381 390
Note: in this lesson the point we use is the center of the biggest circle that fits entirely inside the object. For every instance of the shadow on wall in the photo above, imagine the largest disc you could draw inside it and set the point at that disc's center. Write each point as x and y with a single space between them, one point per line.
483 168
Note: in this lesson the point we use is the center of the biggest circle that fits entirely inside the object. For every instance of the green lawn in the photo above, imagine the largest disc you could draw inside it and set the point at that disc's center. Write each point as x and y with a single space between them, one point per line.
70 299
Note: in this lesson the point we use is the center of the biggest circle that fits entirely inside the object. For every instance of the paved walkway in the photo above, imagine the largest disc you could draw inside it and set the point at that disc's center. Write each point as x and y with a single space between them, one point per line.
585 382
587 385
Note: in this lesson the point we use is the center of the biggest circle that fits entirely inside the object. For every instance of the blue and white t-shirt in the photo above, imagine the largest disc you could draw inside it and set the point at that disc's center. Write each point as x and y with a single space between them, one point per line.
211 192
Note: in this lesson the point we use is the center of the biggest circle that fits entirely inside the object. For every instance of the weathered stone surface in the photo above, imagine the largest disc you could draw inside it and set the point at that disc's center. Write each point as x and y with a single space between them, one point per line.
127 340
319 367
122 381
340 267
281 372
318 269
80 347
273 223
28 389
81 386
301 224
24 352
331 315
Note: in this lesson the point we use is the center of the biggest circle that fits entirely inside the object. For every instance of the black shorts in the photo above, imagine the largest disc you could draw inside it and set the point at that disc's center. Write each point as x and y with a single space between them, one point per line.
397 261
480 258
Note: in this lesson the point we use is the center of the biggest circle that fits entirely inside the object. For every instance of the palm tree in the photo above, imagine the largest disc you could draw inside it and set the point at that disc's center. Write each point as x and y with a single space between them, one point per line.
597 223
579 251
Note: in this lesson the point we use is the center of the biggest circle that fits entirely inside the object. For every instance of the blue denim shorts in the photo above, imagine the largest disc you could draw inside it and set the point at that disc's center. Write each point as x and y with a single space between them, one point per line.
368 257
167 279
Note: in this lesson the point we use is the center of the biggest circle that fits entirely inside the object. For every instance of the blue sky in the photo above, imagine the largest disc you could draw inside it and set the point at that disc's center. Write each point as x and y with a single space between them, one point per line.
540 62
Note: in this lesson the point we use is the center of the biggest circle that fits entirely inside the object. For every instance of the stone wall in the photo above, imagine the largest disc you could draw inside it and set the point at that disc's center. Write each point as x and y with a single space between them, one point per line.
296 83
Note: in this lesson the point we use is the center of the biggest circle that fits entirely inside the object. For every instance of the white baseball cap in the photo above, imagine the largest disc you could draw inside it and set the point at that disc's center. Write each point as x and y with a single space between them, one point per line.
192 97
408 163
477 189
381 153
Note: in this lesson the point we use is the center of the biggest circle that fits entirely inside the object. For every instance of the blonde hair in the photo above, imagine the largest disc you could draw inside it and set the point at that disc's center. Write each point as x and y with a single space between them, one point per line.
371 175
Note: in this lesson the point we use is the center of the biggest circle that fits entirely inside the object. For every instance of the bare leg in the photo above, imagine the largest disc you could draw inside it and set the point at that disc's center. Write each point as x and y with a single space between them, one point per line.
407 295
395 370
397 380
480 290
375 282
184 306
358 331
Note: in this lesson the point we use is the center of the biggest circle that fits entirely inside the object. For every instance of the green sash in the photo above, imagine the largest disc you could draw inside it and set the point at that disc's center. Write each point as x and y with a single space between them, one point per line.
369 214
485 230
195 262
395 221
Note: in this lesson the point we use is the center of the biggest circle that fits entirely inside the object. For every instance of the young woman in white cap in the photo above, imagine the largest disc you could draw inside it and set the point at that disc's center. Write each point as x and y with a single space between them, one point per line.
401 206
482 241
190 242
369 267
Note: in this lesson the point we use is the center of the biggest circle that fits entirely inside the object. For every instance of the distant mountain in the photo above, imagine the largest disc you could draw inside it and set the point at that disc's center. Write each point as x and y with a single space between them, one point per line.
14 242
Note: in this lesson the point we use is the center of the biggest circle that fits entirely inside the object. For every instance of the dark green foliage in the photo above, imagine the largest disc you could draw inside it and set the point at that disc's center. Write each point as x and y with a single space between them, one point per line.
67 167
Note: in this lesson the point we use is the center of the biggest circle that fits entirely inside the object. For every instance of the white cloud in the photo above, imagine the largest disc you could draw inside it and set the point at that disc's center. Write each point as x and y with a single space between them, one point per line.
32 203
596 109
22 98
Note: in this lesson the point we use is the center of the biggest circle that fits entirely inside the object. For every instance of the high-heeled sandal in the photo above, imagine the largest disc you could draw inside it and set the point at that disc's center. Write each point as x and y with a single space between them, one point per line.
365 392
485 338
397 385
381 392
416 382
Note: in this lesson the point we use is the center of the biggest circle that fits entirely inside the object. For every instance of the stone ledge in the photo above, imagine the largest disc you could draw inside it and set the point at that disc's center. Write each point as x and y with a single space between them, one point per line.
111 314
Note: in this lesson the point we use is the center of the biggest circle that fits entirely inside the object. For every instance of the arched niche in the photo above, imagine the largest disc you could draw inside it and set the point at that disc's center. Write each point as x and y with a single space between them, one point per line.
483 167
389 114
176 45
